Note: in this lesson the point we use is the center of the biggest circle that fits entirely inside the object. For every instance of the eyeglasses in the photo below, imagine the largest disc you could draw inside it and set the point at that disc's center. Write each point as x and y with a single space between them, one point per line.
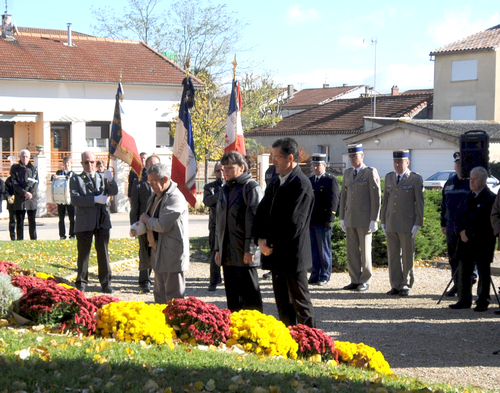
154 182
88 162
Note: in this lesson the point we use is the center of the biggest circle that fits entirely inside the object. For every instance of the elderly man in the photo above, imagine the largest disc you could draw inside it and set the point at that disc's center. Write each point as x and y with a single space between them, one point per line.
477 241
326 201
402 216
210 195
132 176
24 177
166 220
358 213
281 229
139 195
454 190
90 191
62 209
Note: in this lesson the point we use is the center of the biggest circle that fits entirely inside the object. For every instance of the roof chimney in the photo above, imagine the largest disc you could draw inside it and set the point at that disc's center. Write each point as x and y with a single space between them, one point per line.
326 85
394 90
290 91
6 25
69 35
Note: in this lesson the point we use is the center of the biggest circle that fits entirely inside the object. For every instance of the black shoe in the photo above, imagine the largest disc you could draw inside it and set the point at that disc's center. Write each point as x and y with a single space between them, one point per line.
362 287
212 287
481 308
81 289
404 292
267 276
62 238
72 237
393 292
312 281
452 292
107 289
497 312
459 306
322 282
350 287
146 287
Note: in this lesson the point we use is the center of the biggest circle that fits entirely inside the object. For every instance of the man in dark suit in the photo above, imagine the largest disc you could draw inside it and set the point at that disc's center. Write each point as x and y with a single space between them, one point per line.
326 200
132 176
210 196
281 229
62 209
477 242
139 195
89 194
25 183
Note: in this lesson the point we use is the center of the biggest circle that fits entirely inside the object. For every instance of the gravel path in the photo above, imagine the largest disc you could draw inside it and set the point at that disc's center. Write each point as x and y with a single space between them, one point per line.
417 337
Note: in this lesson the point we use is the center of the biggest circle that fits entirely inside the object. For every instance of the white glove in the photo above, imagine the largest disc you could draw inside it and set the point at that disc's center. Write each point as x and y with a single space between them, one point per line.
373 227
414 231
383 227
342 225
102 199
107 175
139 228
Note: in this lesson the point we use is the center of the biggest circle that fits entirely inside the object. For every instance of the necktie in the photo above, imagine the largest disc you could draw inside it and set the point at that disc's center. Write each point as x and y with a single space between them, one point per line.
355 172
317 179
399 178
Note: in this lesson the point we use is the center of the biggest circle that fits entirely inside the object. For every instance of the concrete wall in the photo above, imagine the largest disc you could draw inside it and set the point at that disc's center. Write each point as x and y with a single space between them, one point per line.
483 93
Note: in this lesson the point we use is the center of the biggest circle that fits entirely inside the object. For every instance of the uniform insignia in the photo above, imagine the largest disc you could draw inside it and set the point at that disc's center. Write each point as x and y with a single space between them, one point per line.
362 179
451 187
407 187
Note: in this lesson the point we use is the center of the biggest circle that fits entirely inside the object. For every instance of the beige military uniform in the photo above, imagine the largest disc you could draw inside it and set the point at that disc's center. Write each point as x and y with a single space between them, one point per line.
359 204
402 208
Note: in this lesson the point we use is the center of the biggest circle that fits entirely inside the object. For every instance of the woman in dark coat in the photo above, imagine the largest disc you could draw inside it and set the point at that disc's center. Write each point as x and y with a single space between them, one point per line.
235 249
25 182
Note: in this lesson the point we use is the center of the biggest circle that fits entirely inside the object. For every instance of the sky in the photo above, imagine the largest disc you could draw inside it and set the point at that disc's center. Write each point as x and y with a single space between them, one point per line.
309 43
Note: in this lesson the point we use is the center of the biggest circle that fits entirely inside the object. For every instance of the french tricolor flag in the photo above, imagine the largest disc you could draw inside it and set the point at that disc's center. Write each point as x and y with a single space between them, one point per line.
235 141
184 165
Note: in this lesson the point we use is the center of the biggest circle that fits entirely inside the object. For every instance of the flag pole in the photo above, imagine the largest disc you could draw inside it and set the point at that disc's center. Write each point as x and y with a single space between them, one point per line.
116 97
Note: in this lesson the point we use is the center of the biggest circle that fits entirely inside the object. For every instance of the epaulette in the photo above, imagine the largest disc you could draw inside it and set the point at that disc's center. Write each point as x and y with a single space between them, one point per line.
416 173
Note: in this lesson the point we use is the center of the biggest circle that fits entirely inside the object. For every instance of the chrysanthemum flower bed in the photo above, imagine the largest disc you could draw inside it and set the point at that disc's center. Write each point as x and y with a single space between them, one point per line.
190 320
260 333
197 322
362 356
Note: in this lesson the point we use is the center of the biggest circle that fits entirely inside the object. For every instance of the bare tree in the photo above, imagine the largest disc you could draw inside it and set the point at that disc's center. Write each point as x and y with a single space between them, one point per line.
141 20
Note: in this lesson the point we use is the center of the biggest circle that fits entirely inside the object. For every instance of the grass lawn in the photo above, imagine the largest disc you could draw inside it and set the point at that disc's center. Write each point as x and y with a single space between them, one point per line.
58 257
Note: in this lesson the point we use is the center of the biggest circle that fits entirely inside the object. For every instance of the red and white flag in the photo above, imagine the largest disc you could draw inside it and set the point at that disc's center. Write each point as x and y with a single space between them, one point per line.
184 165
235 141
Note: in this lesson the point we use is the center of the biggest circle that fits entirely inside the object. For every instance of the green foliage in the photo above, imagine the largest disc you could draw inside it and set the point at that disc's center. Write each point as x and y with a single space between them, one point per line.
8 295
429 242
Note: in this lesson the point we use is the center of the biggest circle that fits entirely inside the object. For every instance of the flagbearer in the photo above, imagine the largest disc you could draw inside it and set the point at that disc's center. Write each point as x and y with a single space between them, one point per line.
402 215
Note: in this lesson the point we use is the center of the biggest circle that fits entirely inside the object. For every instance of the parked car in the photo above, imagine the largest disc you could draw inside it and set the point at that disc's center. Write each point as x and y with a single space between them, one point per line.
437 180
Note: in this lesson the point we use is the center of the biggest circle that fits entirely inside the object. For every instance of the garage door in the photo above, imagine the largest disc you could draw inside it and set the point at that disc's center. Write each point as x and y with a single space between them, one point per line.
380 159
427 162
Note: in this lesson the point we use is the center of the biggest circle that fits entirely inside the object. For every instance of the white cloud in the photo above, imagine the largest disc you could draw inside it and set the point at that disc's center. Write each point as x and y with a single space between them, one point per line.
406 77
297 15
456 25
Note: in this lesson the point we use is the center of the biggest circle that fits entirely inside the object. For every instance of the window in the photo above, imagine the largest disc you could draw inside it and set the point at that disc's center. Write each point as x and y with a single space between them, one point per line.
463 70
97 134
324 149
163 136
467 112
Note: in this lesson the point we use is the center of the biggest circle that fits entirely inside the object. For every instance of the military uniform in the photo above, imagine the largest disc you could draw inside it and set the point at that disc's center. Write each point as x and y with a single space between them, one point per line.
326 200
402 209
359 204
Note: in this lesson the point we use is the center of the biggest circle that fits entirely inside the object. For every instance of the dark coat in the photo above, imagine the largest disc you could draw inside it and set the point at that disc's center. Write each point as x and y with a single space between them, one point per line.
474 218
139 195
88 214
2 193
9 191
283 219
234 220
454 191
210 196
20 175
326 199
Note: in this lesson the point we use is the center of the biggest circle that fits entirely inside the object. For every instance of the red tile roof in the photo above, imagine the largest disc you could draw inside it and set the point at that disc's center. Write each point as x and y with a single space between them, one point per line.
485 40
418 91
309 98
41 56
50 31
346 116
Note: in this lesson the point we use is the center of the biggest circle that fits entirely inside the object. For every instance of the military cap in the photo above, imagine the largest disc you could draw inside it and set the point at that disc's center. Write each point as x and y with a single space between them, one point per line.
318 158
355 148
401 154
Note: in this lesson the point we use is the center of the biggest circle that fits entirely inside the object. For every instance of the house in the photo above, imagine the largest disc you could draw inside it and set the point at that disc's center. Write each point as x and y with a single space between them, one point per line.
431 142
467 78
310 98
324 128
57 93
